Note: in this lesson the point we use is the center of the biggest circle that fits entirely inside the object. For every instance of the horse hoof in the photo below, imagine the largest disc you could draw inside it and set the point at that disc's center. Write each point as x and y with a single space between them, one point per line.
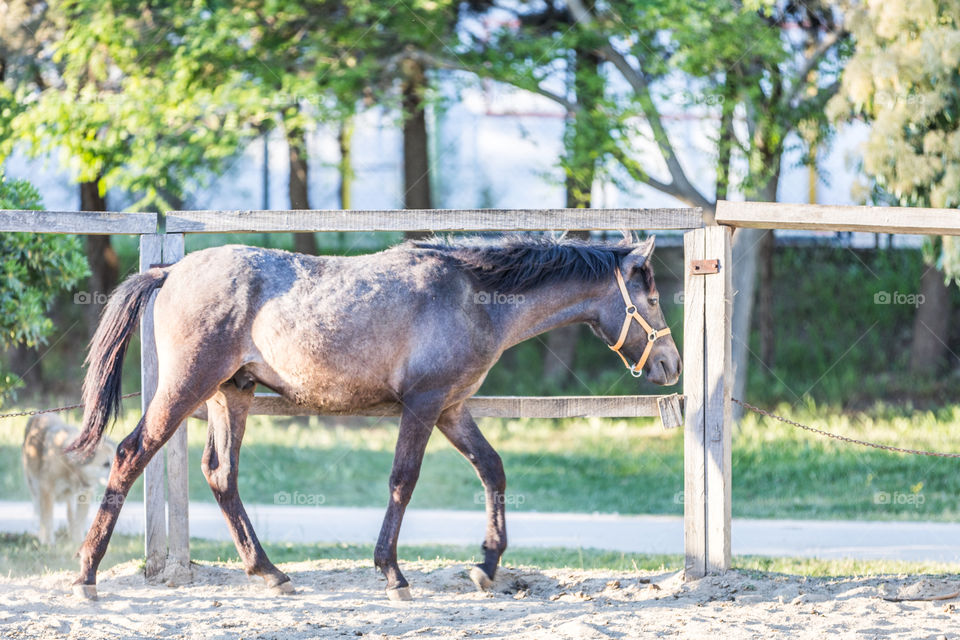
399 594
283 589
481 579
85 591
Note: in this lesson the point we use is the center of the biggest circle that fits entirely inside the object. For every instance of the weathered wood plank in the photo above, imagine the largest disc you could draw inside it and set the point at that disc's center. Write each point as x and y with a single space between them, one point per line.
671 411
489 407
154 502
819 217
178 522
440 220
718 419
85 222
694 480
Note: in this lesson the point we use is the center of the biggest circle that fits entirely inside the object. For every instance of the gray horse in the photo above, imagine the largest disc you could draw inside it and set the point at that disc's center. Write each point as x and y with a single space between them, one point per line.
418 325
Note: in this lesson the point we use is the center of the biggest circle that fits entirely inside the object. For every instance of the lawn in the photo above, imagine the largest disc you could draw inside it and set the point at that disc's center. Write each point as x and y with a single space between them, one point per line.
595 465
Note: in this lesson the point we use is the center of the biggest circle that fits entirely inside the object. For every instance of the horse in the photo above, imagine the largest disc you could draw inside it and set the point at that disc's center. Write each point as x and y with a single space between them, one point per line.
418 325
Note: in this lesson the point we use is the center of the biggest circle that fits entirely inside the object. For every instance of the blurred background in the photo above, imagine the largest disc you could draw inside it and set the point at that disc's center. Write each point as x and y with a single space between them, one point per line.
144 106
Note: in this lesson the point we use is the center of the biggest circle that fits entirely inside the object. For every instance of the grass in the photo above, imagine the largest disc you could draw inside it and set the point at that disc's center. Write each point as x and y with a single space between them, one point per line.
596 465
21 555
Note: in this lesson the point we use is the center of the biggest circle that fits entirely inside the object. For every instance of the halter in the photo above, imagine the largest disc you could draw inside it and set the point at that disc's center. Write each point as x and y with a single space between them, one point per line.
632 314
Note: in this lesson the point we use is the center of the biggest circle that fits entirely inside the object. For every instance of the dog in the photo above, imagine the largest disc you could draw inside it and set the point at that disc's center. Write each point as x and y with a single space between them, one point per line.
55 476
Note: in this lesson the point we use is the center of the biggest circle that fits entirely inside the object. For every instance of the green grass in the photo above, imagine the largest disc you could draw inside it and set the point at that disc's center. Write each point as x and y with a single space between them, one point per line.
20 555
596 465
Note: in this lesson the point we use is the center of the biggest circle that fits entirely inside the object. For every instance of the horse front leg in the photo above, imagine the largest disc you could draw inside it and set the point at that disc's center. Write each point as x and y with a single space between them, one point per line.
460 429
416 424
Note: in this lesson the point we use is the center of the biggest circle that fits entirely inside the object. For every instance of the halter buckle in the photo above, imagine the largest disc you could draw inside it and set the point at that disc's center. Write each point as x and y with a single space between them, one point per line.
652 336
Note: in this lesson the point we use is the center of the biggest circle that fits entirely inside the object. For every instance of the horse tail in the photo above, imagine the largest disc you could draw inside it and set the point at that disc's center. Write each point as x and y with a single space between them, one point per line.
104 362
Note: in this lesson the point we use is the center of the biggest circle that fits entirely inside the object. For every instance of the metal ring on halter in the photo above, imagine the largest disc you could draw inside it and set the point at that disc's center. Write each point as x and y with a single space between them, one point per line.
635 373
652 336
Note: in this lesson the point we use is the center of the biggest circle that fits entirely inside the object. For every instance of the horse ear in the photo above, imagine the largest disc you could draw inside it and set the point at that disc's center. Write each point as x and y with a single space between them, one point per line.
629 237
636 258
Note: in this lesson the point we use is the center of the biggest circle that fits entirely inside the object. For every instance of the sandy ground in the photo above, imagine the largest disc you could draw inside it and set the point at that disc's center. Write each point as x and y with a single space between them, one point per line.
346 599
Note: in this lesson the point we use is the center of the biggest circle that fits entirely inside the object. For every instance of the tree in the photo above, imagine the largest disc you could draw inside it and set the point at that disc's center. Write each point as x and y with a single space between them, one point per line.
903 80
734 59
36 267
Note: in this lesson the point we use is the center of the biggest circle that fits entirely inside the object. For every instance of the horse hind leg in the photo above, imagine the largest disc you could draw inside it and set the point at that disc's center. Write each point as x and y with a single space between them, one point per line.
170 406
462 432
227 417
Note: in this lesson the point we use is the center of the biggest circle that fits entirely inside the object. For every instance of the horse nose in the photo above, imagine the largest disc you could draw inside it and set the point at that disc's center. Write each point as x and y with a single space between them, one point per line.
665 368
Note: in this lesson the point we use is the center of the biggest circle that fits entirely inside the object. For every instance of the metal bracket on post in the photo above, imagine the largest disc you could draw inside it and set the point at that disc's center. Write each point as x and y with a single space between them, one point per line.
704 267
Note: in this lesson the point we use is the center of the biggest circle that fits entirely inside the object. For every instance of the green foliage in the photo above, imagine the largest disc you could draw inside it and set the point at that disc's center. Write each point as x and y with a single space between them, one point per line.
903 81
35 268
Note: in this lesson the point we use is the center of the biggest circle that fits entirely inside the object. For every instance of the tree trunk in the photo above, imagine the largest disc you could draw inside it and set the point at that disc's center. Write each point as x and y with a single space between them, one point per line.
765 290
745 249
931 325
103 260
416 151
345 141
299 186
561 344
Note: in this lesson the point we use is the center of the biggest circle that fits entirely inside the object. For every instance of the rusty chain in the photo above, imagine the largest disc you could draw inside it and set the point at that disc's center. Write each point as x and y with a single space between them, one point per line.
885 447
37 412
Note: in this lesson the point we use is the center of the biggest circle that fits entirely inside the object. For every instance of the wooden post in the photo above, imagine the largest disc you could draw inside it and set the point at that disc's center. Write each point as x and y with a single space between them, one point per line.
718 416
151 252
707 382
178 524
694 463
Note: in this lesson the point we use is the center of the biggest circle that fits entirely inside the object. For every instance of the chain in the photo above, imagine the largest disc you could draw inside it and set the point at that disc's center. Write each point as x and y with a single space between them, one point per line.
885 447
37 412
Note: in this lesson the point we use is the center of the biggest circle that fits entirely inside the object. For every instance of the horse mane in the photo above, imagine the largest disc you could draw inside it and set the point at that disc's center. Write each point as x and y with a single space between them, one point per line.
517 264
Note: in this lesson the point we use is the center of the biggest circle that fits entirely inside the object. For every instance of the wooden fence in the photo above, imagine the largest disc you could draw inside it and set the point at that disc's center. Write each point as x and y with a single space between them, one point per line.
706 349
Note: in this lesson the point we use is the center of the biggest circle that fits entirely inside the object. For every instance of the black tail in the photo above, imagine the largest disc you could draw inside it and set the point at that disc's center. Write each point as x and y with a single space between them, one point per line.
101 386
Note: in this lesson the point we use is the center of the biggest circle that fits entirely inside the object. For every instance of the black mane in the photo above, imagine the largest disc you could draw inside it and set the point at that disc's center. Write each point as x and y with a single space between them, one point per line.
515 265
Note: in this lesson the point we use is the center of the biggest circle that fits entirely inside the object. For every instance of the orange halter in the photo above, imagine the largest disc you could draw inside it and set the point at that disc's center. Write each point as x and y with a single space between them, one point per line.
632 314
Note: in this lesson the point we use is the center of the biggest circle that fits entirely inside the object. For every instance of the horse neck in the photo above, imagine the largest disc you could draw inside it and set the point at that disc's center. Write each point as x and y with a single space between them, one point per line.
547 307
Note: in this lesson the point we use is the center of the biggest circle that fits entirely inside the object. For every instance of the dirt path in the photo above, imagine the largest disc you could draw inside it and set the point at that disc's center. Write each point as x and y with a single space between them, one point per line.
339 599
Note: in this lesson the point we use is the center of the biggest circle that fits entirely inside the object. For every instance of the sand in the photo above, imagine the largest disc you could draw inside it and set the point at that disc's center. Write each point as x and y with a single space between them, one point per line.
345 599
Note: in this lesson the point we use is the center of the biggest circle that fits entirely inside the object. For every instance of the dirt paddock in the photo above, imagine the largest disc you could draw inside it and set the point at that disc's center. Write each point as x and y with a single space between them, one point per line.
345 599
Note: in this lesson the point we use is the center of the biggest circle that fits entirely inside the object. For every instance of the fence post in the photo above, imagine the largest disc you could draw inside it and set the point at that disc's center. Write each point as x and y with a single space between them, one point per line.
718 378
707 383
154 505
694 462
178 524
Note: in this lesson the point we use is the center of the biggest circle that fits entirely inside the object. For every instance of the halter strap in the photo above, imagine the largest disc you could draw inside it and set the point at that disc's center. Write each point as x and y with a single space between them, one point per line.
632 314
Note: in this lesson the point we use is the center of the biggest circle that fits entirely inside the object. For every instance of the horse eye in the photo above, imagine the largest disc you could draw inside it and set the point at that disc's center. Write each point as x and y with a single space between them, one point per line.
653 301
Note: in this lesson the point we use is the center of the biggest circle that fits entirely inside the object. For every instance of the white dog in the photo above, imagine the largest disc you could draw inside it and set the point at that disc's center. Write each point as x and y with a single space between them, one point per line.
54 476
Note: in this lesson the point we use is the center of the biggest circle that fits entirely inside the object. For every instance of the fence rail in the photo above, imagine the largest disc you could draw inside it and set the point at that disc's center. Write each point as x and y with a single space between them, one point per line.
83 222
440 220
820 217
271 404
